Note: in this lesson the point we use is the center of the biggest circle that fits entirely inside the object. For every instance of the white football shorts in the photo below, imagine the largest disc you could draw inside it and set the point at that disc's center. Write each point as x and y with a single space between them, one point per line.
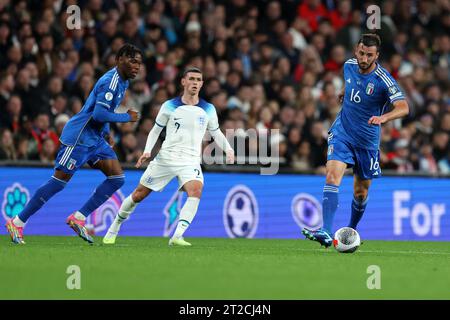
157 176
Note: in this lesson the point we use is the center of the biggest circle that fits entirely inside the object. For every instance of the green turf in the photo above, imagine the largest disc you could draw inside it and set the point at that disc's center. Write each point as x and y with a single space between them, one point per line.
146 268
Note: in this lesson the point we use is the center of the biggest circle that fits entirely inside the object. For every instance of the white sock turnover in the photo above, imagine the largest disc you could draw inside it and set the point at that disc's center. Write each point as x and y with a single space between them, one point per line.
127 208
187 214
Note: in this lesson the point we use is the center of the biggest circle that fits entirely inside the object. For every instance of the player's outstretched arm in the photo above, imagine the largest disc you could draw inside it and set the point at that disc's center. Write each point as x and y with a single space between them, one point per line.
101 114
151 141
223 143
400 110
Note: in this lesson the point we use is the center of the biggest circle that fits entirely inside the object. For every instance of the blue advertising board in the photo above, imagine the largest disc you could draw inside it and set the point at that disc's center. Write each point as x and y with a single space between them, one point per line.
238 205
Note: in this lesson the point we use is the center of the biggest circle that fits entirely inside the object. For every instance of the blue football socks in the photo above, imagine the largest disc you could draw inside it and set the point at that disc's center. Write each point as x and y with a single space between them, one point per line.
41 196
358 208
102 193
329 205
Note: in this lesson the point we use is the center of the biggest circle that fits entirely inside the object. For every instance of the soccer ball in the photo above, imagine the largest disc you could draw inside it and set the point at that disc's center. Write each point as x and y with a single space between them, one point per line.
346 240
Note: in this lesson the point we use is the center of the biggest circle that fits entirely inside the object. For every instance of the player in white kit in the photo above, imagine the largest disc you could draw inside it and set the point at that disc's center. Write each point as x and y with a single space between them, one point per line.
186 119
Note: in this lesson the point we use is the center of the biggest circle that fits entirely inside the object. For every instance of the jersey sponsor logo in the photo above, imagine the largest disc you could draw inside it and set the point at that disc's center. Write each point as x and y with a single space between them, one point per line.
370 88
71 164
392 89
108 96
15 198
306 211
103 216
240 212
349 80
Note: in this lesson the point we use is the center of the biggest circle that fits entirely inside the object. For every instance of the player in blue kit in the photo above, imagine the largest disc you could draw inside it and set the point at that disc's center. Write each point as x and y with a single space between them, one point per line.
354 137
83 140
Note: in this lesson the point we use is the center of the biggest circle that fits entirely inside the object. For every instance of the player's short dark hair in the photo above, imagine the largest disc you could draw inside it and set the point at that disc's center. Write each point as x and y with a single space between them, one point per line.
370 39
191 69
128 50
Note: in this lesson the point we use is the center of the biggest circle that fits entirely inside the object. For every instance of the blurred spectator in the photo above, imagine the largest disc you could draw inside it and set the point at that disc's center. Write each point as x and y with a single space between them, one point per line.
48 150
427 162
318 145
23 147
267 65
301 159
312 11
60 122
126 148
342 15
13 117
41 131
7 149
31 97
400 161
6 88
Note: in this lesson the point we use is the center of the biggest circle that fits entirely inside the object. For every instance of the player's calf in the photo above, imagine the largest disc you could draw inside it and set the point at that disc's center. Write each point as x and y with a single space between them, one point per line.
127 207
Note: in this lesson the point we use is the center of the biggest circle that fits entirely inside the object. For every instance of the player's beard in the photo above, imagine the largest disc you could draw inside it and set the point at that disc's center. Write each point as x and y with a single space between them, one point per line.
367 67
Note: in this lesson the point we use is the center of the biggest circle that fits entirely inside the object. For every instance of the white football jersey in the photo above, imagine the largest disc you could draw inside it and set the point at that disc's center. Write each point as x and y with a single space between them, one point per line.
185 127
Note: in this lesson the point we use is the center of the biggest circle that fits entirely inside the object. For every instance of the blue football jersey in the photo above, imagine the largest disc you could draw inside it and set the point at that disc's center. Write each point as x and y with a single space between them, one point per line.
366 95
107 93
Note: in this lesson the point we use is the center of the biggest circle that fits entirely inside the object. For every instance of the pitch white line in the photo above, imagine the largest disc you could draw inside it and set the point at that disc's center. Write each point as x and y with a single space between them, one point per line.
408 252
381 251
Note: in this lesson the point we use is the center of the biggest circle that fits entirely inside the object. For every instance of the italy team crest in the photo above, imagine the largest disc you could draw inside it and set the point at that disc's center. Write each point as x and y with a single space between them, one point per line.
370 88
71 164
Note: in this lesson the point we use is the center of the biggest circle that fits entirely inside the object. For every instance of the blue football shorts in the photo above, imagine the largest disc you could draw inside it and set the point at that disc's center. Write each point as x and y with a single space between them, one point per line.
71 158
365 163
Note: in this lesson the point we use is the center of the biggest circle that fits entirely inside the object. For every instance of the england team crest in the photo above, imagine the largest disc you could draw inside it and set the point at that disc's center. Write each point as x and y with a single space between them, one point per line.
201 121
370 88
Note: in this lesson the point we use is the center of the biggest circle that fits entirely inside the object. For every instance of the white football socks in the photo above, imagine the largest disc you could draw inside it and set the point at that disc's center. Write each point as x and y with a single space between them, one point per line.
187 214
17 222
127 208
78 215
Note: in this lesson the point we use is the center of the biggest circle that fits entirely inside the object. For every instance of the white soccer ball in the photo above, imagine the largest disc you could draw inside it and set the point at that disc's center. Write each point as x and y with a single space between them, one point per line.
346 240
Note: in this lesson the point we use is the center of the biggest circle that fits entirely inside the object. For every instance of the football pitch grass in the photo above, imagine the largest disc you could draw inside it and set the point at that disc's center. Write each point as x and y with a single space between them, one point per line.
147 268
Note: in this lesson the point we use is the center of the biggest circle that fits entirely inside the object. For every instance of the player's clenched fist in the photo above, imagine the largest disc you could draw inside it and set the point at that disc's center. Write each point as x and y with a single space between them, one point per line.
134 115
145 156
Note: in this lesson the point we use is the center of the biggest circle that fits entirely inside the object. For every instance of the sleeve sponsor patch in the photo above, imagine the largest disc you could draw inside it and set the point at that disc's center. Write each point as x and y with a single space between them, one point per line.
108 96
398 94
392 89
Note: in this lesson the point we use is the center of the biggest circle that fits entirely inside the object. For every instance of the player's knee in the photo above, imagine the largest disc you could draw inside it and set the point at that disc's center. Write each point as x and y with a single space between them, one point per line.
137 196
195 192
117 182
360 194
332 178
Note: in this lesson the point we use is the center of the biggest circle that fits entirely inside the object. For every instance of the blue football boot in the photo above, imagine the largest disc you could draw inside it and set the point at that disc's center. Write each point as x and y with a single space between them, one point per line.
320 235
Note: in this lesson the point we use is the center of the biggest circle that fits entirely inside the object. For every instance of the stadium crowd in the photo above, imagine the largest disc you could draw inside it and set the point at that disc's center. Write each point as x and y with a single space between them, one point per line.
267 65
